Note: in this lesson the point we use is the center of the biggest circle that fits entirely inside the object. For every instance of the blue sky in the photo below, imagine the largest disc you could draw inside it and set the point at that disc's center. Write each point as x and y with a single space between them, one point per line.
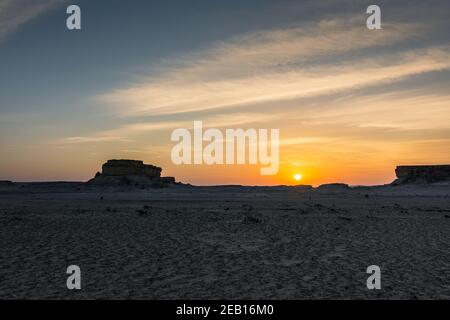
138 69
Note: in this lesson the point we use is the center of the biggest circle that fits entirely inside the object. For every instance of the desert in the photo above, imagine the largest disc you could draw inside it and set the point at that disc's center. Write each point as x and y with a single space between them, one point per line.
224 150
177 241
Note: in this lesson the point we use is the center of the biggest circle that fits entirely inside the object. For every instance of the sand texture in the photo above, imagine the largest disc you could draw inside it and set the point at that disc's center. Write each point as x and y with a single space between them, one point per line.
224 242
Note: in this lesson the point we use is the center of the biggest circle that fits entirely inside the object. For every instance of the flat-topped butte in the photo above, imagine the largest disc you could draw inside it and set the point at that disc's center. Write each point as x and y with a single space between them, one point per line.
130 172
422 173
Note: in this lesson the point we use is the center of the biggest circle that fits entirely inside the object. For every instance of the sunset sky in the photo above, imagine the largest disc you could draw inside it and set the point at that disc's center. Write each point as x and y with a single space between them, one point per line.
350 103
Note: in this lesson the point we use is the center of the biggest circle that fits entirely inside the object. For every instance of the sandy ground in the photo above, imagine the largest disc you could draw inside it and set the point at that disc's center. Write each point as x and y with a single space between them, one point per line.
224 242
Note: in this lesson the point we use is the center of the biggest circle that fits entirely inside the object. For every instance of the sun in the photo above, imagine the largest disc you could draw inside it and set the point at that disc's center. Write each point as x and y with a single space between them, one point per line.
298 176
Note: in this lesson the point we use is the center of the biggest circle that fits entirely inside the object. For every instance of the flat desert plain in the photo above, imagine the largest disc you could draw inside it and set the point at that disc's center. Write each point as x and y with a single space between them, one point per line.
225 242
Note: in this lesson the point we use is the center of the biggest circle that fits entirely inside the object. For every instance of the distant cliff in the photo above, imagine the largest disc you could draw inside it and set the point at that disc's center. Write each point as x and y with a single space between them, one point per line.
422 174
130 168
131 173
6 183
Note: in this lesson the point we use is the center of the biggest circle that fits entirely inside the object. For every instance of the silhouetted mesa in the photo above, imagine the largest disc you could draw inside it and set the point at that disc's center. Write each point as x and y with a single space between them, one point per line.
130 168
132 173
422 174
6 183
333 187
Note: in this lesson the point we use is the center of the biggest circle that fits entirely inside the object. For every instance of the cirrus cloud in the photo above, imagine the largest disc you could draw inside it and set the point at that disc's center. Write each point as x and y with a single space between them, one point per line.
14 13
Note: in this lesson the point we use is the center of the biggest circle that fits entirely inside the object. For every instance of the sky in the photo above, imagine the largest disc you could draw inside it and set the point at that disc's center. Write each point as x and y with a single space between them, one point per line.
350 103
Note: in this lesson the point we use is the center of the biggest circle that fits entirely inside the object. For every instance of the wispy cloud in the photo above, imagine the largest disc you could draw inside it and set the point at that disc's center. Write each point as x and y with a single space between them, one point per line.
275 66
407 110
15 117
90 139
123 133
14 13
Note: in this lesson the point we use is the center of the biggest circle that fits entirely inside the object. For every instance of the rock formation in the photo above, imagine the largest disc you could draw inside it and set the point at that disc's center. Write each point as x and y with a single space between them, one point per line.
6 183
130 173
422 174
130 168
333 187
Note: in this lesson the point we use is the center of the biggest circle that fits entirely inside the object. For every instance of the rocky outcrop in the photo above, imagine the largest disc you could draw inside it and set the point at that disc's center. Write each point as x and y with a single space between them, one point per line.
422 174
6 183
333 186
130 168
167 179
130 173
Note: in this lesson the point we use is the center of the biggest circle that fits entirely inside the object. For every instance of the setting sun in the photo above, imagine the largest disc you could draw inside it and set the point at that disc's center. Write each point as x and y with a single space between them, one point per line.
298 177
